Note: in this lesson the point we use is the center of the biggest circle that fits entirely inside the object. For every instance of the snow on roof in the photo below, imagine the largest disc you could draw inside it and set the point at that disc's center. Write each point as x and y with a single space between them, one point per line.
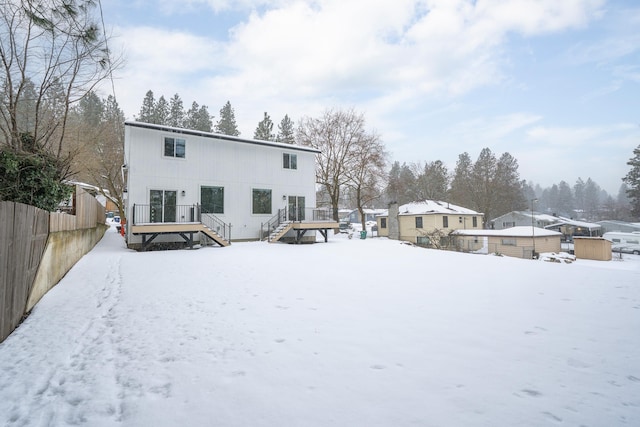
194 132
428 207
521 231
567 221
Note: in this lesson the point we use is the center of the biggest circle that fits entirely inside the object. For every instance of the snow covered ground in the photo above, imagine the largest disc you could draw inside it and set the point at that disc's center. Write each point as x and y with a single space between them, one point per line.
347 333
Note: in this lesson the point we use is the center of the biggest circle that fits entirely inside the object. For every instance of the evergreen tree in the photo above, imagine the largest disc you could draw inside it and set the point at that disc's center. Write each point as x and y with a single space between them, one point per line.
433 182
591 199
176 112
408 184
632 179
286 131
507 186
393 183
482 184
148 109
227 123
565 199
461 191
191 117
264 131
204 120
91 109
161 111
578 196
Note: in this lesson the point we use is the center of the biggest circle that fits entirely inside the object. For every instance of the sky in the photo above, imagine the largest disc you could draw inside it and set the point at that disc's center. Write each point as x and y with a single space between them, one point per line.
126 340
554 83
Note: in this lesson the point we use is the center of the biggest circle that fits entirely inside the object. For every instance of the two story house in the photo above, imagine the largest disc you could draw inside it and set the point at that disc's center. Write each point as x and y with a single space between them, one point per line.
183 185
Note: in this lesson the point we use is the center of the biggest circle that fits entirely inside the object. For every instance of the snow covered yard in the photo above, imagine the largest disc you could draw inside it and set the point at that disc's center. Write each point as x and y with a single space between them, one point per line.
346 333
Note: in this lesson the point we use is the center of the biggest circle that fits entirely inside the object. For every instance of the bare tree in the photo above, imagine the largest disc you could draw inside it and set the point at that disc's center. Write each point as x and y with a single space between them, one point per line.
365 172
336 135
58 48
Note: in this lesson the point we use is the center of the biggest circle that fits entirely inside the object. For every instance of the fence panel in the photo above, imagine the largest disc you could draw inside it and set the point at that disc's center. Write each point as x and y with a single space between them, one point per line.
23 236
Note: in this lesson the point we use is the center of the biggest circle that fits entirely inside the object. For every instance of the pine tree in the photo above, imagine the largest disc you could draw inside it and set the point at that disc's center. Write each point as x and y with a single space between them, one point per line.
264 131
176 112
433 182
148 109
507 186
461 192
286 131
91 108
161 111
203 119
483 177
632 179
591 199
227 123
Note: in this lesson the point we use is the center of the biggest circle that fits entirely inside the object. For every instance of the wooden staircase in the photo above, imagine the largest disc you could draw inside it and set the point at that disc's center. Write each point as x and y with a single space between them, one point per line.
214 236
280 231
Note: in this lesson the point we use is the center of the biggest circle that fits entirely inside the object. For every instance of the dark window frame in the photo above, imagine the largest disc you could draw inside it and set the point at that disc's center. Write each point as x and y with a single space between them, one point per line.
175 147
261 199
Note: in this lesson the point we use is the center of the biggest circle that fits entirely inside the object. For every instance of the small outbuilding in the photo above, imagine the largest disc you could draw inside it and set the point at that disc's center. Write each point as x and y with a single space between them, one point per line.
595 248
520 242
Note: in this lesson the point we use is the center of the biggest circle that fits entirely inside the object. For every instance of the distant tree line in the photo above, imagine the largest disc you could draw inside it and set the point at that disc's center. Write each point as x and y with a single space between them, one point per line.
197 117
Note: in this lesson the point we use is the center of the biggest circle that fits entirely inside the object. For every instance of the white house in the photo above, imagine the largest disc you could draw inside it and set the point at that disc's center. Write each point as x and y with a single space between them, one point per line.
183 184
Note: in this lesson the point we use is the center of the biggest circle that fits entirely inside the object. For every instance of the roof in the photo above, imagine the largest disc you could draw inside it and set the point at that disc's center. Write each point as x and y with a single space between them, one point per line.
212 135
521 231
431 207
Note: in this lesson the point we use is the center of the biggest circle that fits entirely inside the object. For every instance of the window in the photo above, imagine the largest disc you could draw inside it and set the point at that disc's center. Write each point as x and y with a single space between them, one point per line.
632 242
418 222
383 222
508 242
422 241
261 201
162 206
475 222
212 199
174 147
445 222
289 161
508 224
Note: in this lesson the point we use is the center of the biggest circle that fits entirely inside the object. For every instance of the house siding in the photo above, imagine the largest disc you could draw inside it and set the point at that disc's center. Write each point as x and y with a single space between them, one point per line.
238 166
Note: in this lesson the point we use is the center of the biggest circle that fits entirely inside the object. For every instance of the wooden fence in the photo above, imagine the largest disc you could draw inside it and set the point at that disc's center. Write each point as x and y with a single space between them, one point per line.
24 231
23 235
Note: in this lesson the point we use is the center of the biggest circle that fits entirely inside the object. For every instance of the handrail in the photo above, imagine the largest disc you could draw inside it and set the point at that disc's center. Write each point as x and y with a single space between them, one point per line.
147 214
216 224
267 228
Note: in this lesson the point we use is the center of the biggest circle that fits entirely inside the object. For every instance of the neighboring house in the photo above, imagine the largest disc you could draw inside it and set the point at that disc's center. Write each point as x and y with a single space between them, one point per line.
184 184
523 218
622 226
571 228
520 242
354 217
568 227
426 223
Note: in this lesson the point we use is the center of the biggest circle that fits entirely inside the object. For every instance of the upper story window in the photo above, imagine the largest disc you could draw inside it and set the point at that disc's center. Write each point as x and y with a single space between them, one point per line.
445 222
475 222
174 147
289 161
418 222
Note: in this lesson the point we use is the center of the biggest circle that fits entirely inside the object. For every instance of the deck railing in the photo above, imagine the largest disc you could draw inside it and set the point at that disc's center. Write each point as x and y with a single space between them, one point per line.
216 224
294 215
148 214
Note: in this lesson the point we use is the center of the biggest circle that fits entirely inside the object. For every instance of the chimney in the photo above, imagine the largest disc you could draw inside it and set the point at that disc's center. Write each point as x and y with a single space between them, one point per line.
394 226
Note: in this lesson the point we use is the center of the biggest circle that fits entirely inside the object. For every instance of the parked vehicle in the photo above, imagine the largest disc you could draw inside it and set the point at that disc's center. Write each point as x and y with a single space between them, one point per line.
628 243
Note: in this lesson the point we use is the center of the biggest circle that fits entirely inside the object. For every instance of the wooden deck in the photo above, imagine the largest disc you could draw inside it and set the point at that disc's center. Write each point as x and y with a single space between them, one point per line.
184 230
323 227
